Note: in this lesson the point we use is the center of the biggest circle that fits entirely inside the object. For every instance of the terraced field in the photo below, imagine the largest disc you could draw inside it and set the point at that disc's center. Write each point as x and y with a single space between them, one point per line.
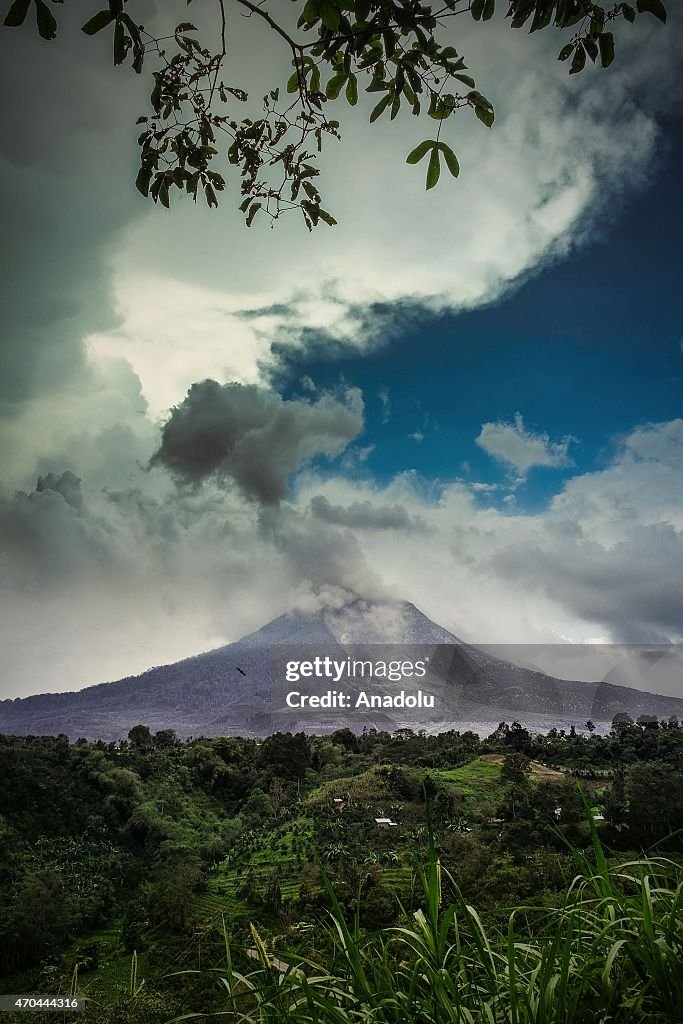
222 893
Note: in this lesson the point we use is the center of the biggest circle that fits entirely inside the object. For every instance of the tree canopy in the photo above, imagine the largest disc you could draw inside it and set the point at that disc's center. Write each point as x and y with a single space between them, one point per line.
400 50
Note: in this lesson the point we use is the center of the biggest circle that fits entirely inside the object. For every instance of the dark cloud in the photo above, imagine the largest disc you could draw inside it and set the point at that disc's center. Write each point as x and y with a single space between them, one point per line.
252 436
319 555
634 589
361 515
47 542
296 349
137 578
278 309
67 156
68 485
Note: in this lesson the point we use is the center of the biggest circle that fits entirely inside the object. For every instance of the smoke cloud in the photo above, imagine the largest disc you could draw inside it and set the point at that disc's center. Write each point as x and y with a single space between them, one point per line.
253 436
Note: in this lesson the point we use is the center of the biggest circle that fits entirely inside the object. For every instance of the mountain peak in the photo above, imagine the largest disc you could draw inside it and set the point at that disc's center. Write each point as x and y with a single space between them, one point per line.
229 691
357 621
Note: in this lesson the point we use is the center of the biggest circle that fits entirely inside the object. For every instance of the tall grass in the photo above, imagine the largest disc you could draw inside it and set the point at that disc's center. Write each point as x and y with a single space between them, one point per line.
611 952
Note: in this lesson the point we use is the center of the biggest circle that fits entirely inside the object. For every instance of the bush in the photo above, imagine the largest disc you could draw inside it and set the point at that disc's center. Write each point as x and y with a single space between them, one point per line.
612 951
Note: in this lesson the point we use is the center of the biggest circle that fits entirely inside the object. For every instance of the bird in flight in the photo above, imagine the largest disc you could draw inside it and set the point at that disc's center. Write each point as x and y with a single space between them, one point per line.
240 670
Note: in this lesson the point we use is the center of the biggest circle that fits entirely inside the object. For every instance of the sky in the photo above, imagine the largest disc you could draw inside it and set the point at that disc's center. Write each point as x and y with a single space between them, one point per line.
470 398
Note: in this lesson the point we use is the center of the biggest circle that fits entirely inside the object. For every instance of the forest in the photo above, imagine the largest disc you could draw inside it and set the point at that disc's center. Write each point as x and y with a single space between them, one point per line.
348 877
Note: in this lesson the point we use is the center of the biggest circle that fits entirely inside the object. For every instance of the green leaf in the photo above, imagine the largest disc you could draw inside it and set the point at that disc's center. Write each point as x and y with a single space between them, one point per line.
579 61
521 12
572 13
335 86
327 217
566 51
210 196
628 12
597 23
482 108
97 22
450 158
254 209
477 9
606 44
420 151
433 168
438 109
542 16
591 48
293 83
119 42
381 107
489 10
17 13
352 90
45 20
390 42
311 11
655 7
466 80
143 179
329 15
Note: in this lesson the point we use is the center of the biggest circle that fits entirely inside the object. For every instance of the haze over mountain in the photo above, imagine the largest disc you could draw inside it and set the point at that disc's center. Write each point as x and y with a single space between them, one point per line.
240 689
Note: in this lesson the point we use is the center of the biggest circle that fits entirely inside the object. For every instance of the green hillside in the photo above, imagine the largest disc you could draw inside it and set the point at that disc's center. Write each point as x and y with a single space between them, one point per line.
124 867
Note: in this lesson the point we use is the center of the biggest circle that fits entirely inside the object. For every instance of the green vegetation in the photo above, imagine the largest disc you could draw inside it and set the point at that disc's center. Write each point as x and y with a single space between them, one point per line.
477 781
612 950
399 50
148 851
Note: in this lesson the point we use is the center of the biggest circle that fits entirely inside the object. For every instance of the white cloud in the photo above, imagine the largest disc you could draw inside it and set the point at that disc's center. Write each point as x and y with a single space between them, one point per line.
149 574
605 558
658 443
168 294
562 152
384 398
521 449
145 574
636 490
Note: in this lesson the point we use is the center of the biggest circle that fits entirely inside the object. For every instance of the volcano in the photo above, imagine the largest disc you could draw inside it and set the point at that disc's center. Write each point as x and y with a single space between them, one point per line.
240 689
